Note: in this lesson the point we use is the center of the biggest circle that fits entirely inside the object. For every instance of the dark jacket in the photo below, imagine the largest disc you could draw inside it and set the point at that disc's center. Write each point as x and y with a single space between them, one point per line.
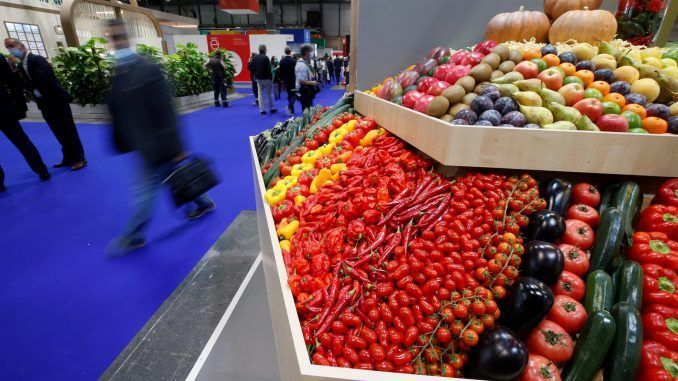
286 71
41 77
250 68
330 66
337 64
12 101
142 114
218 71
262 67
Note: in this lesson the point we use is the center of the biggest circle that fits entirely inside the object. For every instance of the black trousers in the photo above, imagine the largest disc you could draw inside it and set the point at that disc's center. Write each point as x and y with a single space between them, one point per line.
305 98
219 89
255 90
291 97
12 129
337 75
57 114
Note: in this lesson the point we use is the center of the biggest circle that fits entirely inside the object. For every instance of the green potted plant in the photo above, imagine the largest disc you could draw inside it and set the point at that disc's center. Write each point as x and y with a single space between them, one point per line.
85 71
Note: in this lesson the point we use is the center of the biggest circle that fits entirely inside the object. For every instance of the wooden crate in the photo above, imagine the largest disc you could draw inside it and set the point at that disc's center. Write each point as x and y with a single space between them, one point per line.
526 149
293 360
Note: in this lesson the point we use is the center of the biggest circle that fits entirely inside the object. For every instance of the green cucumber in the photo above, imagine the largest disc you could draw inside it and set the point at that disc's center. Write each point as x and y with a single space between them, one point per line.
608 239
614 270
626 199
591 347
599 292
623 358
607 195
630 284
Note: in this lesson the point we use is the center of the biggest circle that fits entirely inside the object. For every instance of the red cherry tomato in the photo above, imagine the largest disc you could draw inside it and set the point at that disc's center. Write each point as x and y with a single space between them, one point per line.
568 313
584 193
550 340
578 233
570 285
576 260
539 368
585 213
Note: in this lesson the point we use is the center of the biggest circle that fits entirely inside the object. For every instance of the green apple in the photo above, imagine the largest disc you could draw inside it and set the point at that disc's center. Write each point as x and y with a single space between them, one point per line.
611 108
635 121
638 131
541 64
572 79
593 93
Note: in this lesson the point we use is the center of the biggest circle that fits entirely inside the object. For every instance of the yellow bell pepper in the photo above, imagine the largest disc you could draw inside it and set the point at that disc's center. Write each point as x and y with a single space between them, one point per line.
337 135
344 156
326 149
369 136
299 199
298 169
275 195
286 228
310 157
381 131
290 181
322 177
350 126
285 245
336 168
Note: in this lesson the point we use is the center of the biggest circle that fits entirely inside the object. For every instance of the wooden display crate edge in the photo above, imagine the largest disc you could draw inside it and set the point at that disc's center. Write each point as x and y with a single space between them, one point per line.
526 149
293 360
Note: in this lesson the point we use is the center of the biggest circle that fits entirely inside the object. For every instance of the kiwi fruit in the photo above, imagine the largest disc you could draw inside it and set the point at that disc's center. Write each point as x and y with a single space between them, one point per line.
493 60
454 94
502 50
515 55
447 118
468 98
456 108
496 74
480 87
468 83
507 66
481 72
438 106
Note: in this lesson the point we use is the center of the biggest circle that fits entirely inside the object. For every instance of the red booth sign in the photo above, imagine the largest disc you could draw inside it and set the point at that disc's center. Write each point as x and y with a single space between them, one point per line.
240 7
239 46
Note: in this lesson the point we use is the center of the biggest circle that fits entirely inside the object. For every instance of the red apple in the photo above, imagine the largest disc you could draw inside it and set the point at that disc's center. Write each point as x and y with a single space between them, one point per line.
442 70
457 72
475 58
425 83
552 79
572 92
411 97
422 103
590 107
612 123
437 88
528 69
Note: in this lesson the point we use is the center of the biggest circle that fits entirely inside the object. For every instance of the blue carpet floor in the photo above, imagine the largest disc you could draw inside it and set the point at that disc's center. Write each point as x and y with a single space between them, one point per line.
67 309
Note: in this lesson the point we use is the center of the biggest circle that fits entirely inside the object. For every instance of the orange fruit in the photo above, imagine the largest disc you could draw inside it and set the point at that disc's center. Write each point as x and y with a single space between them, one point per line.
601 86
568 68
551 60
655 125
531 54
616 98
638 109
585 75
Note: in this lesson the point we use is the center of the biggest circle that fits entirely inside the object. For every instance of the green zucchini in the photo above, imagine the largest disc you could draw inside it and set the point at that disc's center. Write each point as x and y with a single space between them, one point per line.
608 239
599 292
630 284
625 199
623 358
591 347
607 196
614 270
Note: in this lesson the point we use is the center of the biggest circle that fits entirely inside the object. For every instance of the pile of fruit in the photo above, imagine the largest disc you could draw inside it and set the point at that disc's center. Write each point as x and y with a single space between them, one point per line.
586 88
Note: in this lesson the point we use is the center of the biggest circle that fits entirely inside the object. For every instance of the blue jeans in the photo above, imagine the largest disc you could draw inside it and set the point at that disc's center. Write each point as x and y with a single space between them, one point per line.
144 195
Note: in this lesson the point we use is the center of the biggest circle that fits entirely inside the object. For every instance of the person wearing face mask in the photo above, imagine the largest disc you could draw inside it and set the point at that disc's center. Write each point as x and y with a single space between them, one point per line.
52 99
143 120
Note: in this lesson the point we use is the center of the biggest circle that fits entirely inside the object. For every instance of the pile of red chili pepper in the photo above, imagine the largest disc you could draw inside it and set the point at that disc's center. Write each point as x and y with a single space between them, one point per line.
655 247
396 268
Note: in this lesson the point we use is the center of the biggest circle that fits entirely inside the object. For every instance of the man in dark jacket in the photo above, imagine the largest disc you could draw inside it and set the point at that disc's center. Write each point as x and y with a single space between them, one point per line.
264 76
255 88
218 67
330 69
338 62
143 120
286 72
13 108
53 101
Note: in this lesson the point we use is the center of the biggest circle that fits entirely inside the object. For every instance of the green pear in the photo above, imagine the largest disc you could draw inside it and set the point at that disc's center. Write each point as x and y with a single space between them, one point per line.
533 84
561 112
548 96
506 89
538 115
627 60
585 124
509 77
607 48
648 71
560 125
527 98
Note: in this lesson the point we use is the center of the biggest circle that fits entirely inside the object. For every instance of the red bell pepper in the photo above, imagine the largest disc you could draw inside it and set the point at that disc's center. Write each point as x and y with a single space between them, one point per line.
654 247
659 286
662 328
297 190
667 194
283 210
657 363
660 218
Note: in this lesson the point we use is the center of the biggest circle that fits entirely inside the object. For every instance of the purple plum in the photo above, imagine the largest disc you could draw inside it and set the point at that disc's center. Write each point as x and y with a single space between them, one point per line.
585 65
481 104
460 122
491 92
468 115
673 125
483 123
636 98
532 126
514 118
492 116
548 49
606 75
505 105
621 87
658 110
568 57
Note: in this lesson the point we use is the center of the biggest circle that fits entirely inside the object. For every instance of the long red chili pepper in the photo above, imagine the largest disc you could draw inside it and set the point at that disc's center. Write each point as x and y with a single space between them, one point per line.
344 297
445 201
406 235
393 242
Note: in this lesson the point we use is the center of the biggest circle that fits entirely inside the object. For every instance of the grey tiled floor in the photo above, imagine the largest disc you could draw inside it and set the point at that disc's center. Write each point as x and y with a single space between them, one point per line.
168 345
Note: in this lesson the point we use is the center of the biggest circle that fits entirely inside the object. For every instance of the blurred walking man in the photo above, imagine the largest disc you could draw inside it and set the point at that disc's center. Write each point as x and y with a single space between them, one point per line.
264 77
288 78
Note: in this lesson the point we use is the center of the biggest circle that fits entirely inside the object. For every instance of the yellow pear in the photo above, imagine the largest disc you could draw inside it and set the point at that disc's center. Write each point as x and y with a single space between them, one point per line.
651 52
635 55
656 62
605 61
673 109
646 86
670 71
668 62
584 51
626 73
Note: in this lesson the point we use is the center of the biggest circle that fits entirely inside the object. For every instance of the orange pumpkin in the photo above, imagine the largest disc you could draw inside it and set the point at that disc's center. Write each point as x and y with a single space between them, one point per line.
518 26
555 8
584 26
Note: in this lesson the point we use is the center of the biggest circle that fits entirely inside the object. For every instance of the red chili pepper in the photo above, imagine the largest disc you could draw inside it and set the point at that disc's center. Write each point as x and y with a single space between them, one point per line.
657 363
654 247
660 218
659 286
371 217
667 194
662 329
345 297
284 209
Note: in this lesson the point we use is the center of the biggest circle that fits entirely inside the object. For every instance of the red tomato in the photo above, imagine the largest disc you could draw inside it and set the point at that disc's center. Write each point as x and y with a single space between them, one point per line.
321 137
312 144
584 193
347 118
578 233
539 368
337 122
585 213
550 340
568 313
570 285
576 260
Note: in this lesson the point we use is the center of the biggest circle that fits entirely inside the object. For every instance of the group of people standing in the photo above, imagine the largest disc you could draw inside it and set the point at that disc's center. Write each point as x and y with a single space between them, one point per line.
25 72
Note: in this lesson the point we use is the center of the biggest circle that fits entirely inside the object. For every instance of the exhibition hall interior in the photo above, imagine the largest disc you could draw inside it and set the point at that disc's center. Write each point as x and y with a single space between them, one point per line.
357 190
